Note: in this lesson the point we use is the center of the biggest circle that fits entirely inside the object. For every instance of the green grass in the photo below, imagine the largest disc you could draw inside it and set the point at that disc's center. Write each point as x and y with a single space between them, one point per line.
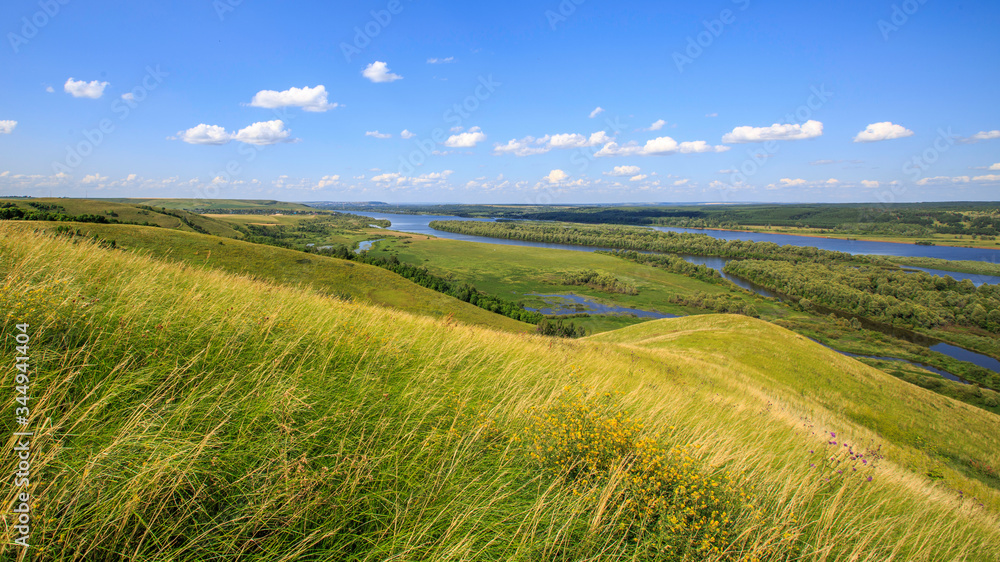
184 413
131 213
513 272
331 276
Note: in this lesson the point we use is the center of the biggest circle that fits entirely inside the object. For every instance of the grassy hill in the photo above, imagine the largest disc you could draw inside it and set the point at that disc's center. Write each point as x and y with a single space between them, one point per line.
136 213
331 276
186 413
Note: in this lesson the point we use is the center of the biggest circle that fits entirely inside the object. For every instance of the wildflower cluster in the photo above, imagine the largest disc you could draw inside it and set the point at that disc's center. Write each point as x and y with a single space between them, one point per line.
37 301
635 485
841 460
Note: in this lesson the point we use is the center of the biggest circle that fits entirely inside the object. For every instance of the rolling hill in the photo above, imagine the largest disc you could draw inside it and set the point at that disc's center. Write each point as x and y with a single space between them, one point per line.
187 413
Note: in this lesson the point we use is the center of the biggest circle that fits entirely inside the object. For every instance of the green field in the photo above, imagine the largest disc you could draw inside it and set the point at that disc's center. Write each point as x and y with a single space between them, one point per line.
515 272
185 413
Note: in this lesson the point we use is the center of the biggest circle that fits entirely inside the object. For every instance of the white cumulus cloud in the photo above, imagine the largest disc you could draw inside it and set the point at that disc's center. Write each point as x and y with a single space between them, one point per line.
808 130
882 131
788 182
658 147
205 134
81 89
556 176
467 139
943 180
639 177
377 135
987 178
309 99
531 145
657 125
378 71
597 111
406 134
982 136
7 127
623 171
869 183
263 133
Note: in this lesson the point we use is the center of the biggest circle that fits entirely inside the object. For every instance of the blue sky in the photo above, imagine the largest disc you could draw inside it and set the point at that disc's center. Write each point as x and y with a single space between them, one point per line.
570 101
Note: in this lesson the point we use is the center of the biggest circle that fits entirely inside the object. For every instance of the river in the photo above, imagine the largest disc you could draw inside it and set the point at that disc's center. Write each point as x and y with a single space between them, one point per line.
420 224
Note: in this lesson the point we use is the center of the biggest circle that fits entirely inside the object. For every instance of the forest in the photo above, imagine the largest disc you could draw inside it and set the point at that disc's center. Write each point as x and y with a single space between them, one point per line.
645 239
892 297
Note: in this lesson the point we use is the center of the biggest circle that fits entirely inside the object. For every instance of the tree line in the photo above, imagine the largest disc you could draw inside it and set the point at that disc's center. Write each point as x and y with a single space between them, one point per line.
642 239
463 292
893 297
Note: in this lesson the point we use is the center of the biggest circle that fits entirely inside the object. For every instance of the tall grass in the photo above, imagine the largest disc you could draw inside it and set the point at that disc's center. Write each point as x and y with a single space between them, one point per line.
186 414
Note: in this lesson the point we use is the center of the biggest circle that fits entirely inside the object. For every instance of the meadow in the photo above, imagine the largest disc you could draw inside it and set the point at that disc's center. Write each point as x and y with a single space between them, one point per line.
188 413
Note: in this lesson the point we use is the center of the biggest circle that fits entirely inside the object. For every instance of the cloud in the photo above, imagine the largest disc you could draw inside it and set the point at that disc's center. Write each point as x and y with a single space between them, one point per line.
531 145
943 180
680 183
441 61
378 135
407 134
205 134
657 147
823 162
639 177
623 171
81 89
711 115
808 130
597 111
327 181
657 125
396 180
882 131
378 72
7 127
50 89
128 96
263 133
94 178
467 139
787 182
989 178
869 183
728 171
982 136
309 99
556 176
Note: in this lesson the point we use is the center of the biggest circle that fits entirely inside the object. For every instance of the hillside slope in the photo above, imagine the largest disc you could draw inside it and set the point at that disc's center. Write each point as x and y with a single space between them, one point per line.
188 414
135 213
289 267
